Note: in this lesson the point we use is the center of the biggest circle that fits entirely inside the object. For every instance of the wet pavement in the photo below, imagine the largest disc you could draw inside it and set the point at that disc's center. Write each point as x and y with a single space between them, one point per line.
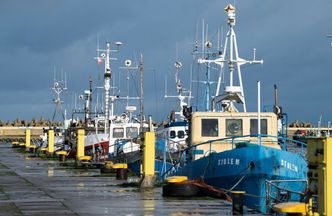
35 186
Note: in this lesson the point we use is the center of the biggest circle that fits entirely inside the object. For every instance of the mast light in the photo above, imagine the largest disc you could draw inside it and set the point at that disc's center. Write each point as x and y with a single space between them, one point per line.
230 10
178 64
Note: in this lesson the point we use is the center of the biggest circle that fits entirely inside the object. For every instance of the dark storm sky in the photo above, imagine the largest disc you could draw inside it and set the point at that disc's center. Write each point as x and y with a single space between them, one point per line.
37 36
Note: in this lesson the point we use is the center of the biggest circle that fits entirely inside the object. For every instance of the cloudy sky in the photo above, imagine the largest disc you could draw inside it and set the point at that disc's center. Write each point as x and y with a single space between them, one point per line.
39 37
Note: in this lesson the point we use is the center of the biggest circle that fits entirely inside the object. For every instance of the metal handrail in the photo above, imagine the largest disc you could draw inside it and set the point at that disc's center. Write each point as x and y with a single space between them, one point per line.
271 183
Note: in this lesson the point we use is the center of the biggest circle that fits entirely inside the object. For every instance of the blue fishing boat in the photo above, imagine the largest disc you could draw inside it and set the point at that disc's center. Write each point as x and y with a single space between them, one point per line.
239 150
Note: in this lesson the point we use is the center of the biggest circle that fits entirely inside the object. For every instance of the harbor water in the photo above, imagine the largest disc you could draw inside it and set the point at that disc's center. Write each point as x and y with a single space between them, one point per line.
35 186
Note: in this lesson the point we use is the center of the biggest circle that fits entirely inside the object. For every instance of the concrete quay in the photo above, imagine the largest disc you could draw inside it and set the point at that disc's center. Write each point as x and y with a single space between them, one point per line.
35 186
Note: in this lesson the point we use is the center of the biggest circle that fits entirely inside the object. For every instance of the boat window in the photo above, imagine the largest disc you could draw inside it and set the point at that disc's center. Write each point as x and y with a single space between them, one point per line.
180 134
233 127
254 126
132 132
118 132
172 134
209 127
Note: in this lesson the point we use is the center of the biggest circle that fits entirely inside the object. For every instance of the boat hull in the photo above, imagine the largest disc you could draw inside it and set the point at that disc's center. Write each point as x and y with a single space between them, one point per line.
98 142
247 169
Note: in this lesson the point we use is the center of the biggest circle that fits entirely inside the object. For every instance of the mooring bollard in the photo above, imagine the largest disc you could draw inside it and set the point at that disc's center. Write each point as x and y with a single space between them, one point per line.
121 171
122 174
237 202
15 144
107 168
62 158
32 148
62 155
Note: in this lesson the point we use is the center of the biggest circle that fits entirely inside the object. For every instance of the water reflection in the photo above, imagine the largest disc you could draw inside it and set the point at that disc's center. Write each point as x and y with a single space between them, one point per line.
50 171
149 202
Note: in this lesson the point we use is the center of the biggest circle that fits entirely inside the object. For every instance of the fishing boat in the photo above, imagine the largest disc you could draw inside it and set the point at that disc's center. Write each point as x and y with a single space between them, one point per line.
111 134
238 150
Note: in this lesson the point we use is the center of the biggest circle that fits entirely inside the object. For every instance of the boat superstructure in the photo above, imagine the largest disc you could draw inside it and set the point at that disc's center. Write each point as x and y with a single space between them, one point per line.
240 150
111 128
174 132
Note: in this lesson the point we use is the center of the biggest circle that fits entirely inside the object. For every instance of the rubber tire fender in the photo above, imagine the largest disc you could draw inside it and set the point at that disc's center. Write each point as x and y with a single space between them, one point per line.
180 190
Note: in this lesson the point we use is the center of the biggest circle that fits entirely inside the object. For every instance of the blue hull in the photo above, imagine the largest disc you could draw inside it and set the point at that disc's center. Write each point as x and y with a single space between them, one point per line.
159 167
247 169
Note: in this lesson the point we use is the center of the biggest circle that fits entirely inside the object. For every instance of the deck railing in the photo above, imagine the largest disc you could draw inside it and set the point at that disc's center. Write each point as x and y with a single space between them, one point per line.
277 191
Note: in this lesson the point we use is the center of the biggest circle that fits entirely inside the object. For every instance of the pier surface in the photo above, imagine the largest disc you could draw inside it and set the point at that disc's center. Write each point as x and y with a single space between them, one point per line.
34 186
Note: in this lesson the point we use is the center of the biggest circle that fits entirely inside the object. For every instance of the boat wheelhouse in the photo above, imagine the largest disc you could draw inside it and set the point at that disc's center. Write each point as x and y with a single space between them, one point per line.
206 126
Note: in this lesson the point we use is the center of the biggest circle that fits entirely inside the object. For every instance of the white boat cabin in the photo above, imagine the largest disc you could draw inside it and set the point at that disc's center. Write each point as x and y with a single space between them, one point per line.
127 131
175 135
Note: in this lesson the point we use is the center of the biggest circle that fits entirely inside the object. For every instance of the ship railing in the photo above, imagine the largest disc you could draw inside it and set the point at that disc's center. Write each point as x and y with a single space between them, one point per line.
175 156
278 192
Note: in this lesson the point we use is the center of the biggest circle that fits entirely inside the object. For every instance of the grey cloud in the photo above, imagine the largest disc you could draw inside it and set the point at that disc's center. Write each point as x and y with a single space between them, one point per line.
290 36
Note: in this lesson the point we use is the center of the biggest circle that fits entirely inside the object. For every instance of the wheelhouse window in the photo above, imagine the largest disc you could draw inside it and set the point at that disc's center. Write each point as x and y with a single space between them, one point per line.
181 134
234 127
254 126
209 127
132 132
172 134
118 132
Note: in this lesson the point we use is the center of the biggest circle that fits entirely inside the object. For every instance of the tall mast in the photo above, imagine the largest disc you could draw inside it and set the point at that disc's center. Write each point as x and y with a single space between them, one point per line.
141 93
233 93
107 77
59 86
208 83
88 99
180 91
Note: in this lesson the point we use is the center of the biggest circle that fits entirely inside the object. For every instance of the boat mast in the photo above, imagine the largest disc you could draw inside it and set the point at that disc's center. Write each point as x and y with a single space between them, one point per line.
180 91
88 99
233 93
107 78
59 86
140 69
